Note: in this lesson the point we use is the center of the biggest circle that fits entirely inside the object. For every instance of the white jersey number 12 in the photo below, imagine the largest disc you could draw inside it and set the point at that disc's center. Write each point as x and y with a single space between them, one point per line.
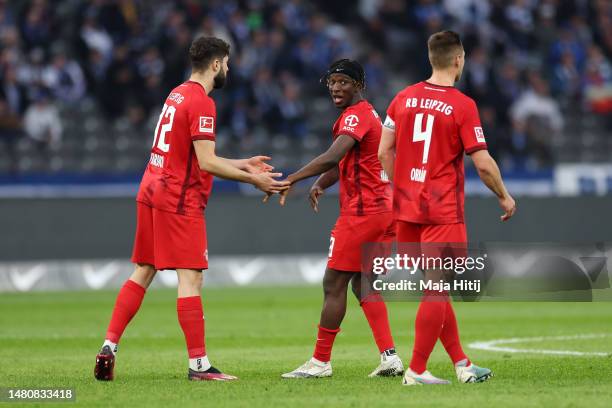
160 134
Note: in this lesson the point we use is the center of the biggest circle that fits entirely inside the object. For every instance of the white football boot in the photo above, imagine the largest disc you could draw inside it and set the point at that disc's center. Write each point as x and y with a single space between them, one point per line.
472 374
390 366
412 378
311 369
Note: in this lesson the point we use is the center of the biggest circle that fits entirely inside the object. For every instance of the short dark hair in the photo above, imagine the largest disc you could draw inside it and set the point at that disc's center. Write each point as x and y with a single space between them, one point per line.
443 46
204 50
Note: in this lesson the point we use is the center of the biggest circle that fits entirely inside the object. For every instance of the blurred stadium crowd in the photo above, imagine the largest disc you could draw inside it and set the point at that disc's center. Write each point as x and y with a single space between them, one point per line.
82 82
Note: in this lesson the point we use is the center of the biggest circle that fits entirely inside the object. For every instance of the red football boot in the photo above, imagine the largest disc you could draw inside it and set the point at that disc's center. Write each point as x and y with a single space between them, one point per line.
212 374
105 363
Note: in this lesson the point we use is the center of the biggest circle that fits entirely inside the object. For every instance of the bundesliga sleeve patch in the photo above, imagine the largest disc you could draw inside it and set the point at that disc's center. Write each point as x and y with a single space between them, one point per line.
479 135
207 124
389 123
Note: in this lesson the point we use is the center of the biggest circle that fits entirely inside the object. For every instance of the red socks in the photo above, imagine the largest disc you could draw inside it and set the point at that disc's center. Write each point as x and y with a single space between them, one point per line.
450 336
427 328
375 312
325 342
435 319
127 304
191 319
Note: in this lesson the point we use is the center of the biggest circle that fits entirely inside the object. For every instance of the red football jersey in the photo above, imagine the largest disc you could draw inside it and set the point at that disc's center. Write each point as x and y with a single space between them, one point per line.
173 180
434 125
364 187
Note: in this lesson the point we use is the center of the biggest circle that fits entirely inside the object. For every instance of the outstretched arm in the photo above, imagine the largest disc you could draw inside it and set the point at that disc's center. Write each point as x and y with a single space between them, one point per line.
325 161
220 167
253 165
386 151
490 175
322 163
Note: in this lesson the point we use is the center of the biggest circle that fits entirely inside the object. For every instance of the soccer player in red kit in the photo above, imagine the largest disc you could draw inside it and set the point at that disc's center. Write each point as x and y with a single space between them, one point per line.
171 229
428 128
365 216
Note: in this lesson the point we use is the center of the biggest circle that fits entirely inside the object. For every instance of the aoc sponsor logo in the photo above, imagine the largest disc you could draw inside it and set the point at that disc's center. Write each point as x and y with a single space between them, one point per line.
350 123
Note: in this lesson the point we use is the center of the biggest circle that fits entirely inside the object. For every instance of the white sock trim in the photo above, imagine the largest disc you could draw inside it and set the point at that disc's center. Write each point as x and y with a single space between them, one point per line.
462 363
319 362
114 346
199 363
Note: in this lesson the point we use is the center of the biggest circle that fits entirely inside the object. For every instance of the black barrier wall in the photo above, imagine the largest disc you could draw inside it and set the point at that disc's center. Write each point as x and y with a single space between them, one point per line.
103 228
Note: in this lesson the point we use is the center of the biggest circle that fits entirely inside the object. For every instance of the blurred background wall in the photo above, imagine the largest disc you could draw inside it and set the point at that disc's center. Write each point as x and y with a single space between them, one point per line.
104 228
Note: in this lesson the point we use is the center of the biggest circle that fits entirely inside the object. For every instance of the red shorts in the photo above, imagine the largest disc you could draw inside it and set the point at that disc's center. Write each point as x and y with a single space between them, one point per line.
168 240
451 239
351 232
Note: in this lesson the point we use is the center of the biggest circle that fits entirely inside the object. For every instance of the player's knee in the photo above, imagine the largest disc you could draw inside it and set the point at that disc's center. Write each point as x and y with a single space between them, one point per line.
333 289
190 279
143 275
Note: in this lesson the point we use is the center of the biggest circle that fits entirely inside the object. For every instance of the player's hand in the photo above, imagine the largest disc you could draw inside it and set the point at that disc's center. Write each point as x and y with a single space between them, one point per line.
266 183
257 165
313 196
508 205
283 196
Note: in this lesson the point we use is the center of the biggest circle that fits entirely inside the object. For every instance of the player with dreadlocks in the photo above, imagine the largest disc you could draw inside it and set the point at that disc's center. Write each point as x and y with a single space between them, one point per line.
365 216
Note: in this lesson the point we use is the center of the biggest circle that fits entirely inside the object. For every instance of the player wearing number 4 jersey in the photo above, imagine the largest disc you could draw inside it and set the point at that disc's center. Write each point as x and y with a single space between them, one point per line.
365 216
428 128
171 229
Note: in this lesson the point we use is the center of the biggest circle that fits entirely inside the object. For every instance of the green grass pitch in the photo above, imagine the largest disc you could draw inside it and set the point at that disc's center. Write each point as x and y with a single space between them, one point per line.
50 340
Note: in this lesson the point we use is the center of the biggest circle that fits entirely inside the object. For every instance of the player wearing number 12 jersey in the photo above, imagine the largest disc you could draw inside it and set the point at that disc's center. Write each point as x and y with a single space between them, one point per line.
428 128
171 230
365 216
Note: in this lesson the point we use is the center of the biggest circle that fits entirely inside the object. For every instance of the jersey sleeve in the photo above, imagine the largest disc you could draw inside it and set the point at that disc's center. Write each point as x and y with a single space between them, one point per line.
202 117
355 124
390 119
470 129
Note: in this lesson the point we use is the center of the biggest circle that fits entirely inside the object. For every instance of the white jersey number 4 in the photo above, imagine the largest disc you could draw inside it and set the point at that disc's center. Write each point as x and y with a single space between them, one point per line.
160 134
420 135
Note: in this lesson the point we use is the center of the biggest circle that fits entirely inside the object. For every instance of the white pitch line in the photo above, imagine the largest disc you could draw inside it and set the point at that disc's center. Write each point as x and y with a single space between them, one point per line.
494 345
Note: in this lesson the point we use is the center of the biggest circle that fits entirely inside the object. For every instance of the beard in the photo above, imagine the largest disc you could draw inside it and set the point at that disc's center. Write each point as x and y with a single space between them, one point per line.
219 80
